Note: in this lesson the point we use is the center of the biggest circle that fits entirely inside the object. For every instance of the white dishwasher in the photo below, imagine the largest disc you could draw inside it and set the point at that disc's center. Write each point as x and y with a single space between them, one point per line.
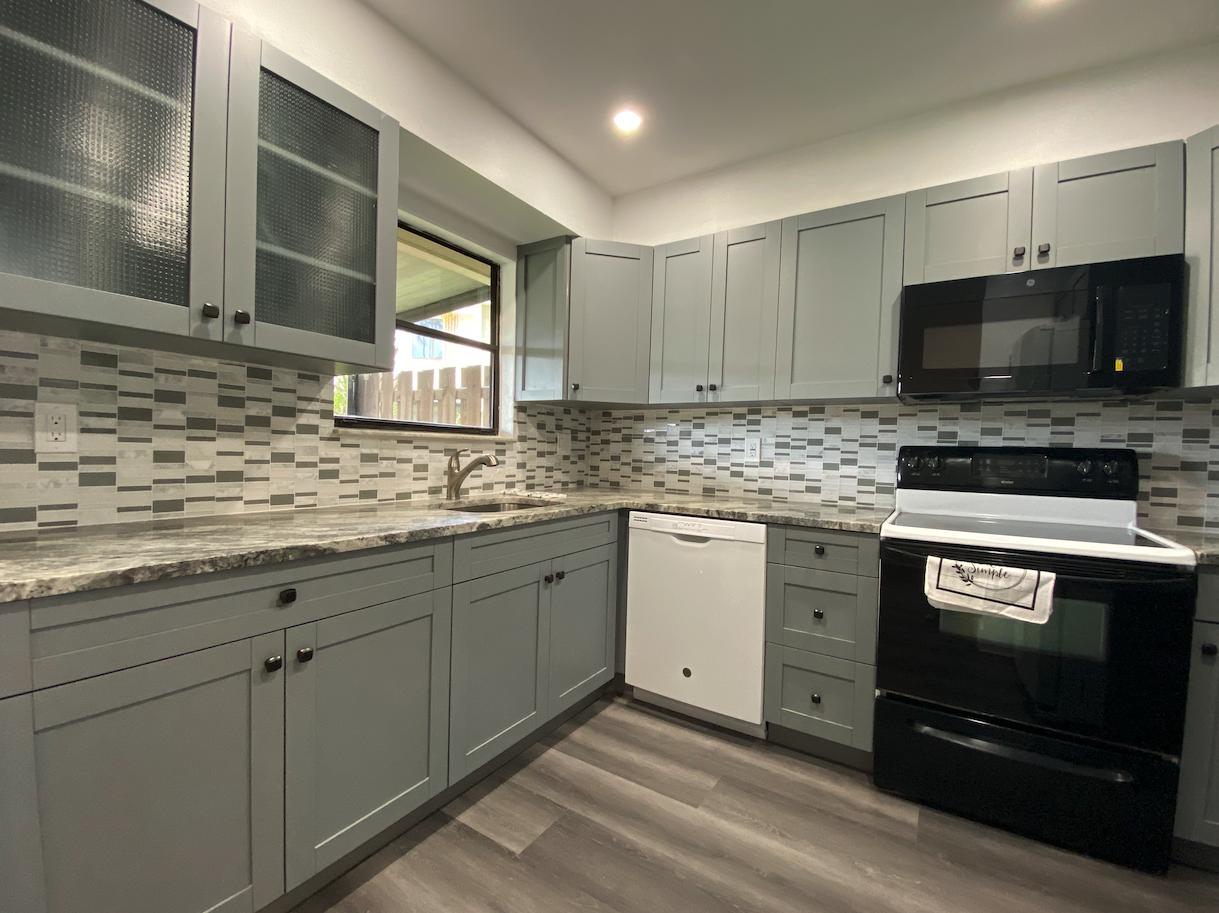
695 615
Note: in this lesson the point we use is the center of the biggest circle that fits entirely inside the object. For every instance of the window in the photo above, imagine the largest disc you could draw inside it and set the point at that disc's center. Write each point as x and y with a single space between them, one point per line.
446 347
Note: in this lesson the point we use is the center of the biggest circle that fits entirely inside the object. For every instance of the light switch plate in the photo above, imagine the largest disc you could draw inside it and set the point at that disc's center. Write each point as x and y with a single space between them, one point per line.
55 428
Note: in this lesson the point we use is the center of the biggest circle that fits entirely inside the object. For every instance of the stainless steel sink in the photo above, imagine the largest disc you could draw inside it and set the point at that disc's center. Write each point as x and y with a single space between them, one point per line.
488 507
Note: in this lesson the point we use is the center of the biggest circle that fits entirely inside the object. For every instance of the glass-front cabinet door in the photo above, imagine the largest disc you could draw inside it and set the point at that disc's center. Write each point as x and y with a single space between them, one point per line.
112 163
312 209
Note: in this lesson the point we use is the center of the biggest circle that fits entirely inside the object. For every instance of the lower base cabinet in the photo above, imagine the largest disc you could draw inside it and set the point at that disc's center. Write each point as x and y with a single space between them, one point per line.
527 643
366 725
1198 792
157 789
822 696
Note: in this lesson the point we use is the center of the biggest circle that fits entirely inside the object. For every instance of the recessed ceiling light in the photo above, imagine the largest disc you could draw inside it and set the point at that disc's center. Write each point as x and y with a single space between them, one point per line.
627 121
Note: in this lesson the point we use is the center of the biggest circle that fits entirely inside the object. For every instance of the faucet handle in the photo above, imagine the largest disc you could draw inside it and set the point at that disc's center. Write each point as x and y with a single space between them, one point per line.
455 458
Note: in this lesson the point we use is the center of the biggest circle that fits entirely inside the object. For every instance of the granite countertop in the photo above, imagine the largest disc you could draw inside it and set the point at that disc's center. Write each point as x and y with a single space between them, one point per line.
58 562
1203 542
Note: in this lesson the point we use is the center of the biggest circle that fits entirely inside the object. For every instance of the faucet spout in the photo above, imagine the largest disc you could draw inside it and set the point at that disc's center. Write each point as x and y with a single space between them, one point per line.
456 475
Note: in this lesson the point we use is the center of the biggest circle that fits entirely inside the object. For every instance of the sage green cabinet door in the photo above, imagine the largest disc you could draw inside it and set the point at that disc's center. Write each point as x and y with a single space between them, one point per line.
611 317
158 789
312 213
583 621
112 164
500 666
1202 256
681 318
542 279
979 227
366 725
1129 203
744 313
838 289
1198 793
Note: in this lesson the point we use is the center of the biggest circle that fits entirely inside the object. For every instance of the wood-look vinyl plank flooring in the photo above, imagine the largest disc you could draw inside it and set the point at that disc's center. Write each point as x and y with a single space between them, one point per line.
628 809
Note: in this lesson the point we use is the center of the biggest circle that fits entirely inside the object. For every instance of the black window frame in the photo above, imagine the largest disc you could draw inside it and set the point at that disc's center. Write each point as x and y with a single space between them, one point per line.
390 424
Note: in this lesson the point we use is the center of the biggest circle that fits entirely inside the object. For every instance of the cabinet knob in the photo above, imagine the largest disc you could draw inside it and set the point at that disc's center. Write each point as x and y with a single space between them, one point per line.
1210 649
1018 252
818 613
818 549
698 388
288 596
559 575
887 379
304 654
549 578
686 673
241 317
1043 250
210 310
816 698
575 387
713 387
273 663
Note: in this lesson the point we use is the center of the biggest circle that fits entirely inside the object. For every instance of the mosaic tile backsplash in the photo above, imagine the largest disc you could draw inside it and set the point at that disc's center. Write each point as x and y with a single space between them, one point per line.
166 436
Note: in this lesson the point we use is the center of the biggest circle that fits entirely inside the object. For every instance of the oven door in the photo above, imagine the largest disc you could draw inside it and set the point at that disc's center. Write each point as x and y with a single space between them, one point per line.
1111 664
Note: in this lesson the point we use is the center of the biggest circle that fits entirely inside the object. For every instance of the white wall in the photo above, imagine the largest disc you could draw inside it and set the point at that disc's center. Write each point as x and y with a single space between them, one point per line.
1151 100
352 45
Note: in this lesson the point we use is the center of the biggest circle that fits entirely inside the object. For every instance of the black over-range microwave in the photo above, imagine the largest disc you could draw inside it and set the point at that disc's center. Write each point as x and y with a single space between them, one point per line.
1094 329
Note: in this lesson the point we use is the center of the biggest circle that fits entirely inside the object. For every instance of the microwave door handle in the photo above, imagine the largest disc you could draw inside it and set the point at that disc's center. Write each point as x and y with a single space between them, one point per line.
1023 755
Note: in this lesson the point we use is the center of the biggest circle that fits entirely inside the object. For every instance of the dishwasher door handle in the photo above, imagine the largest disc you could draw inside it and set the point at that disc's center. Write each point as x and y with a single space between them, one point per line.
691 540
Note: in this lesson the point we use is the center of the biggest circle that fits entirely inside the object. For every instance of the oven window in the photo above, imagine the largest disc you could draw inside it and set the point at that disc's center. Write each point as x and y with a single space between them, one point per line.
1078 629
999 341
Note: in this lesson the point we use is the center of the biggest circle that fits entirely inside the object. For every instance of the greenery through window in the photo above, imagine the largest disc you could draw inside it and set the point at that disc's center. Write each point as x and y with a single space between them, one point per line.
446 346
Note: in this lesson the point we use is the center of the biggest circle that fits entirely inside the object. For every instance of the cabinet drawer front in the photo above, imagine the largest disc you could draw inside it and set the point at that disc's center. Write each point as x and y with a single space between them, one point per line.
501 550
822 611
820 695
1208 595
74 637
824 549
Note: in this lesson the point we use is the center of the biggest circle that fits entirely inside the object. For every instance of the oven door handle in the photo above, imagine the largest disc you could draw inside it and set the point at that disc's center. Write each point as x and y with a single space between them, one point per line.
1068 576
1024 756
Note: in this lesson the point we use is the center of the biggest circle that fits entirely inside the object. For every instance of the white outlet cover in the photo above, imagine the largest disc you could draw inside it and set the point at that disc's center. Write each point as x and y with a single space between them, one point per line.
45 416
753 448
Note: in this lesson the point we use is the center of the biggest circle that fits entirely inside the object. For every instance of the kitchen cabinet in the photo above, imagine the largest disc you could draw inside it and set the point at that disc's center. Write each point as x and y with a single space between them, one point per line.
311 213
744 313
610 321
681 321
156 789
1198 792
1202 257
839 284
366 738
583 620
500 663
820 695
126 229
1111 206
543 275
978 227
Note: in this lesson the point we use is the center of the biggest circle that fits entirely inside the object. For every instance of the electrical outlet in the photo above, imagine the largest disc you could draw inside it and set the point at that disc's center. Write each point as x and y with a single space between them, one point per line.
753 449
55 428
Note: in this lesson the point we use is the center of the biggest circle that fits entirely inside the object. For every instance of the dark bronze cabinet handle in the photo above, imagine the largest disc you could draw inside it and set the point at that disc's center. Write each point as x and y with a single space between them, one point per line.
818 613
273 663
210 310
575 387
698 388
559 575
816 698
713 387
241 317
1210 649
887 379
549 578
1043 249
1018 252
818 549
304 654
288 596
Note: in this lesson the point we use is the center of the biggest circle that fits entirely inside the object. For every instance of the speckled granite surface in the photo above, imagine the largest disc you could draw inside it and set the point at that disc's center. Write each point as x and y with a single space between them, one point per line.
33 565
1203 543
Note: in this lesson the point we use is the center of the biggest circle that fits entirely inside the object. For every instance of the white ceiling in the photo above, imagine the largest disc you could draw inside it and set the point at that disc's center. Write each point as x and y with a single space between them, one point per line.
720 81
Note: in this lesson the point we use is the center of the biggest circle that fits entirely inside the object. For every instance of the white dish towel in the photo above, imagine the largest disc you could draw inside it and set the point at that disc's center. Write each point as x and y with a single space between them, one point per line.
990 589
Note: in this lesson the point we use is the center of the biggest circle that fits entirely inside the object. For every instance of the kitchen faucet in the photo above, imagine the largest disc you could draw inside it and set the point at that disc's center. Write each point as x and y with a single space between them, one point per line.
455 476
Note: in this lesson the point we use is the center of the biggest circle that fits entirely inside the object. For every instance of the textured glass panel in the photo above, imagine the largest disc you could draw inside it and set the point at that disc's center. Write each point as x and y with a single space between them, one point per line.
304 125
317 214
96 107
305 296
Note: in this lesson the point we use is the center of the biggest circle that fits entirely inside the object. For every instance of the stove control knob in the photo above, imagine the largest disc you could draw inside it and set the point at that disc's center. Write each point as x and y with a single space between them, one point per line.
1110 468
1084 467
934 463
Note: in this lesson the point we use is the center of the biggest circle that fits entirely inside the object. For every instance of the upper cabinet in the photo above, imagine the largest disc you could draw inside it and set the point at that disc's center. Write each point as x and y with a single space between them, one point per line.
165 174
681 320
112 163
1202 257
1112 206
310 249
979 227
839 283
543 272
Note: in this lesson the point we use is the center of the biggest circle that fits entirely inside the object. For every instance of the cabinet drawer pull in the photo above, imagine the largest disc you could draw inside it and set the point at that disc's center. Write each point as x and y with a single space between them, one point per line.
1210 649
713 387
549 578
241 317
559 575
816 698
304 654
210 310
1043 250
698 388
288 596
273 663
1018 252
887 379
818 549
818 613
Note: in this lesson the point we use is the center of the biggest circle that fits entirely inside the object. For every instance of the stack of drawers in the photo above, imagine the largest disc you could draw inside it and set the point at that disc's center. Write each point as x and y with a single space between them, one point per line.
821 615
